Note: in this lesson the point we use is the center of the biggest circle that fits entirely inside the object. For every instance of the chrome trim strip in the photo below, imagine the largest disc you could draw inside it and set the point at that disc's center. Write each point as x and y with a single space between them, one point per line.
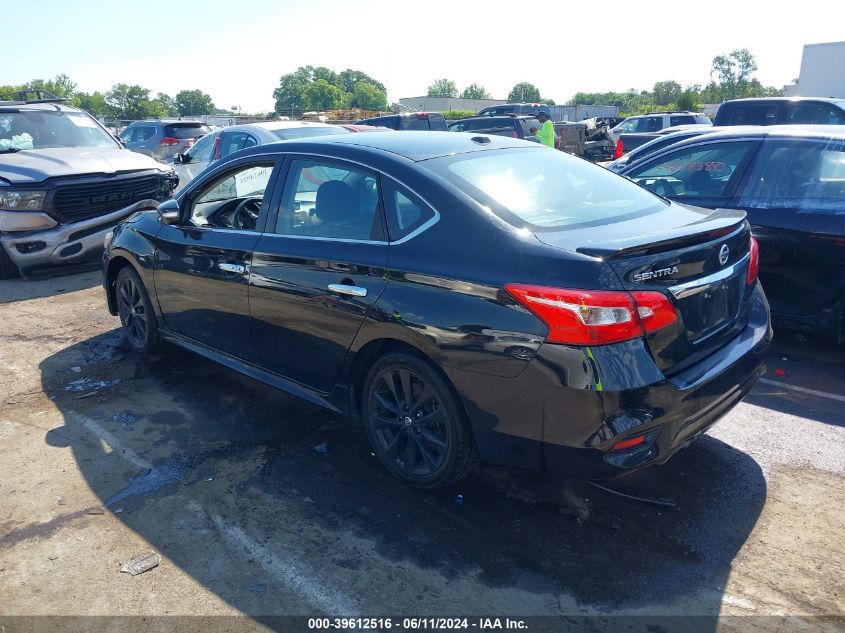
232 268
354 291
695 286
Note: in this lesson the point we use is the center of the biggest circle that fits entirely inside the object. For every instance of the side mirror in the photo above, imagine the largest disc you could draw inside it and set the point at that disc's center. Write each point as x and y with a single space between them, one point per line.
180 159
168 212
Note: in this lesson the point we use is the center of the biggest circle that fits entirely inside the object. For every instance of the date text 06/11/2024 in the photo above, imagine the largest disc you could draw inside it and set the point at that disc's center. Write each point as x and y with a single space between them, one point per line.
417 624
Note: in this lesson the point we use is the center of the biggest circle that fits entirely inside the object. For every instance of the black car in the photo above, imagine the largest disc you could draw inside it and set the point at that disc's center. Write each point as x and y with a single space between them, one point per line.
791 182
467 296
512 125
427 121
782 111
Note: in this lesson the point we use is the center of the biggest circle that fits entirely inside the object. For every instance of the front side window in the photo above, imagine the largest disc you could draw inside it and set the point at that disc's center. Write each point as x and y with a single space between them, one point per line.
203 150
545 190
330 200
233 200
797 175
816 114
232 142
702 171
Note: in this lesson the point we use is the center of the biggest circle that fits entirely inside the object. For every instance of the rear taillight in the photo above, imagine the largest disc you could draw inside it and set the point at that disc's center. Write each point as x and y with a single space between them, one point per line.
624 445
620 149
169 141
753 261
595 317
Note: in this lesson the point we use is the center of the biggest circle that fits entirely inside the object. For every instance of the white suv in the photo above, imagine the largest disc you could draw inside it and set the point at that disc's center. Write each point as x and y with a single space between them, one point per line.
656 121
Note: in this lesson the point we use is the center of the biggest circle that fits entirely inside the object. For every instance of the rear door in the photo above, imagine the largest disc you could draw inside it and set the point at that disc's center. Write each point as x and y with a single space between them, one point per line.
203 263
795 198
318 269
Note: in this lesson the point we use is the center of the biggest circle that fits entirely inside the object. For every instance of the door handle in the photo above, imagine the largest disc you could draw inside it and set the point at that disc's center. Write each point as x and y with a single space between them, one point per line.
354 291
232 268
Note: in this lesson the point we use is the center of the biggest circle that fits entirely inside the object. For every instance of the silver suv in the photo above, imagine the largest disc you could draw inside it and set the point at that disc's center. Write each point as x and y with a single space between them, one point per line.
64 183
162 138
656 121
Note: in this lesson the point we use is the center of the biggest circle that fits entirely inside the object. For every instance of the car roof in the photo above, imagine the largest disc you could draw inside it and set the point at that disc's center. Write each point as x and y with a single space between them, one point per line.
415 145
166 121
755 99
49 105
285 125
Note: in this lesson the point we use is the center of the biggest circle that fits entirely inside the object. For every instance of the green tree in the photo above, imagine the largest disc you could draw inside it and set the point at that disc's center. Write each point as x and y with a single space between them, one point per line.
366 95
127 102
321 95
193 102
686 100
62 86
291 89
475 91
524 92
94 104
168 103
665 92
348 79
443 88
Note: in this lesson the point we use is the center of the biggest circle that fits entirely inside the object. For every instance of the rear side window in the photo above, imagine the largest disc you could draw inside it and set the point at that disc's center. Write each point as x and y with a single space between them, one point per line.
681 119
754 115
797 175
405 211
414 122
182 131
545 190
232 142
817 114
702 171
650 124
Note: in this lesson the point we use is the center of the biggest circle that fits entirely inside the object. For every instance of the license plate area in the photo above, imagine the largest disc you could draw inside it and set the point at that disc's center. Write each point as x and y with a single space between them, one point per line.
709 307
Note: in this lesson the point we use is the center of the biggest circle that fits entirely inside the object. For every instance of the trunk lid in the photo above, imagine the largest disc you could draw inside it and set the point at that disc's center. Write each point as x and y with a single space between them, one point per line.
696 257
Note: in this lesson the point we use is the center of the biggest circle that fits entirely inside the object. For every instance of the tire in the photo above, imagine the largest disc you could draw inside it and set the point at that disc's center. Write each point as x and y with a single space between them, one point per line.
8 270
140 326
424 440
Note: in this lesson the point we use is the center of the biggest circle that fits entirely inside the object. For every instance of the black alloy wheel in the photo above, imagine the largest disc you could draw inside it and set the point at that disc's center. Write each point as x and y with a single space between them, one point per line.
136 314
414 422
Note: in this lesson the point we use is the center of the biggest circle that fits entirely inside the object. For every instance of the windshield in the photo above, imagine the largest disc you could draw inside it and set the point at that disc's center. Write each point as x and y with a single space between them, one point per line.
41 129
302 132
546 189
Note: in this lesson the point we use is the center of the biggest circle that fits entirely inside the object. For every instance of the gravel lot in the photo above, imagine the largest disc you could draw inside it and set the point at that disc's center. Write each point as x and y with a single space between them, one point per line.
104 456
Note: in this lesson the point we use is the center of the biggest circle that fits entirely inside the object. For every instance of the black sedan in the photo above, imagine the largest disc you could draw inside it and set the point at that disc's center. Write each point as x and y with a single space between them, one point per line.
791 182
469 297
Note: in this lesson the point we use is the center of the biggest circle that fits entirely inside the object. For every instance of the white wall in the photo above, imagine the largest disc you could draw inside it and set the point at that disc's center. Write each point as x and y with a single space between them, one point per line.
822 72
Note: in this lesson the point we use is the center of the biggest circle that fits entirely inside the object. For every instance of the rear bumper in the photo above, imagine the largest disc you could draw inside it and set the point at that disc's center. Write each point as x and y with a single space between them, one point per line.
567 410
64 244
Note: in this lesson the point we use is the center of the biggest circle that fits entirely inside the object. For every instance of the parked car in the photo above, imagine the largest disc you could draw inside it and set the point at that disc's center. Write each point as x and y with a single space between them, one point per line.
556 113
162 138
515 126
64 182
229 140
791 182
656 121
409 121
782 111
658 141
600 342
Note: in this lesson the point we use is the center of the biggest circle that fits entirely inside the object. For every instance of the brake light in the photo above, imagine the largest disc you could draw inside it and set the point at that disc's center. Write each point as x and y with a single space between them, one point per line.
753 261
620 149
167 140
422 115
595 317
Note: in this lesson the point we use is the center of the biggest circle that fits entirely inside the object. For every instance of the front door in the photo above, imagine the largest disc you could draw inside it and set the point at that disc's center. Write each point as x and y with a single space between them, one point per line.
317 270
203 263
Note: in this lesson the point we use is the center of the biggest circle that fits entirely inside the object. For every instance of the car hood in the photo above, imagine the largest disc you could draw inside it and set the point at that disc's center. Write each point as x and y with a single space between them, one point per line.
31 166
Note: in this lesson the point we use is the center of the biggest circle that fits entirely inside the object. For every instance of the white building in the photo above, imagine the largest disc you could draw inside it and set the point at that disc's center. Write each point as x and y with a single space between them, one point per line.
822 72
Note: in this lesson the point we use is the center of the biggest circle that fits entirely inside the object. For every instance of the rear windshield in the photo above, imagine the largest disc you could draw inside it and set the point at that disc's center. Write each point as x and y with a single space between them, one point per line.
186 130
545 189
29 129
304 132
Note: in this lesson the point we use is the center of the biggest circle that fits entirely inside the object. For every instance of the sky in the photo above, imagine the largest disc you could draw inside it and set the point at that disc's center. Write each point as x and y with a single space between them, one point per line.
236 51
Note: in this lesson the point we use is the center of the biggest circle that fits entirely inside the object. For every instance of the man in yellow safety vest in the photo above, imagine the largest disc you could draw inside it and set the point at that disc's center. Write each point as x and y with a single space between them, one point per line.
546 133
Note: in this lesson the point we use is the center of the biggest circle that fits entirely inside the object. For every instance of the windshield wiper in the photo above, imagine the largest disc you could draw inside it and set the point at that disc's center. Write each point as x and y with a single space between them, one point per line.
9 150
